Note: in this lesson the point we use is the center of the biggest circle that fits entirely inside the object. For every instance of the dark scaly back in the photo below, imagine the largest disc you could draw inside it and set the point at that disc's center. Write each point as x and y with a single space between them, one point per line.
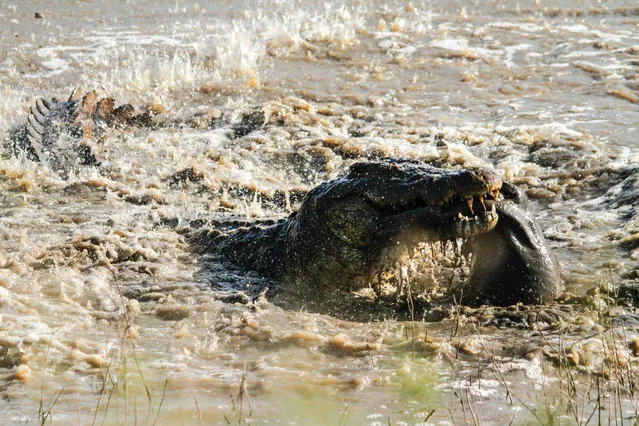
47 120
82 118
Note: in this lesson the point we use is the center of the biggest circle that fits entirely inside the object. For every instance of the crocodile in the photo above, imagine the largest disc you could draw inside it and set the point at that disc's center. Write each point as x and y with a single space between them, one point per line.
343 229
63 133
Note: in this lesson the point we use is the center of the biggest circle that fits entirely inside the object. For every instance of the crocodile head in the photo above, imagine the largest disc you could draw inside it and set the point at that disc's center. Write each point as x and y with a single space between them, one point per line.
344 226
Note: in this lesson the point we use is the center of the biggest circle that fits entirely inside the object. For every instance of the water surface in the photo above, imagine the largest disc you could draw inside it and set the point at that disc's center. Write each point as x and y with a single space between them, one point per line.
107 316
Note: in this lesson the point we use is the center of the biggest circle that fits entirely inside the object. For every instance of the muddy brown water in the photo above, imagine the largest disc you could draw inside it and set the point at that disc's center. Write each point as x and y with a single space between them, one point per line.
107 317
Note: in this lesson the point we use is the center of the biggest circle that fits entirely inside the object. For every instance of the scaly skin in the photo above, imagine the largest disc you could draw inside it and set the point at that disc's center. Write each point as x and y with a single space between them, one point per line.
61 133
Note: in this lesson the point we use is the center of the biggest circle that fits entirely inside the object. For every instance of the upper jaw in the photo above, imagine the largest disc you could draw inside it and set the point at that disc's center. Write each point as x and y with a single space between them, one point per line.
466 185
459 217
446 188
439 223
467 219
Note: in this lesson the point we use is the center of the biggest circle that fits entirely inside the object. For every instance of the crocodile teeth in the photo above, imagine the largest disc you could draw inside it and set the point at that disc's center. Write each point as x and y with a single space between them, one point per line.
481 200
463 218
469 201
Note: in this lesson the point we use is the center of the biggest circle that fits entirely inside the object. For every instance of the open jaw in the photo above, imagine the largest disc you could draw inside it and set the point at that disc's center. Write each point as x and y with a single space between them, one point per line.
395 225
499 257
427 246
458 216
347 229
